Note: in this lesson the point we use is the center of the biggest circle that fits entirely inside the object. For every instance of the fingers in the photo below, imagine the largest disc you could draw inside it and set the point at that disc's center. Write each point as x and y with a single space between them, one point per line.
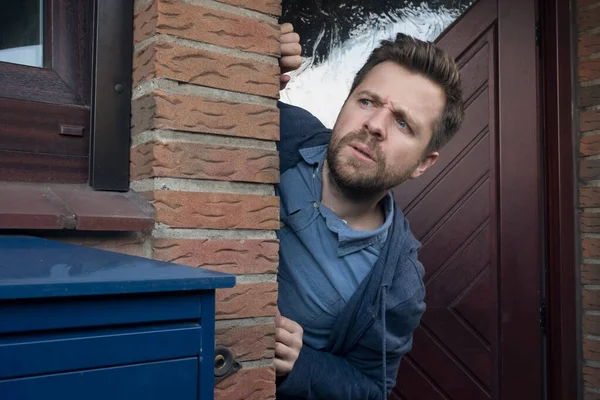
284 352
286 27
283 81
291 50
288 343
287 324
291 37
282 367
288 64
288 339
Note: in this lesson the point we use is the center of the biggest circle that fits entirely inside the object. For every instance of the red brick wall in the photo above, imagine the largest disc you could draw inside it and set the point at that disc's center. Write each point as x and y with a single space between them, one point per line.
588 28
204 126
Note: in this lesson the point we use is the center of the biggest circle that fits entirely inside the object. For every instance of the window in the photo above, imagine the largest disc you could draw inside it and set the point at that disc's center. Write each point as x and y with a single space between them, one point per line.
65 91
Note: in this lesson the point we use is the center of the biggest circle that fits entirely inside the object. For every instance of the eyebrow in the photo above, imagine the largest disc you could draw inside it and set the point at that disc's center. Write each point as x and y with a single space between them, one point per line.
398 112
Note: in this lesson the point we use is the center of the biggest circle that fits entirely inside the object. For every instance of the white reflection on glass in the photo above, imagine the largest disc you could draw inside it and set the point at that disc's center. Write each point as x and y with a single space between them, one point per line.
21 32
322 83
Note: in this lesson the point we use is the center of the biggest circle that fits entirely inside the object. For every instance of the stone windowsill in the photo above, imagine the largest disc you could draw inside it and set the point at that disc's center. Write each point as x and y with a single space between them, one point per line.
62 206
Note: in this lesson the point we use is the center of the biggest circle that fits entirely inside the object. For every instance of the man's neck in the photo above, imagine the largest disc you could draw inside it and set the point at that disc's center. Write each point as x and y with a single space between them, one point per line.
365 214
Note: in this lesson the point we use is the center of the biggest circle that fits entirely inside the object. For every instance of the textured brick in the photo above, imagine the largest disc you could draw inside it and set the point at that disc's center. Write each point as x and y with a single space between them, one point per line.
591 324
589 169
248 342
589 44
591 396
160 110
144 64
591 349
590 274
589 69
204 161
132 244
589 197
216 210
194 22
588 19
585 3
589 145
591 376
591 247
247 300
591 299
202 67
589 95
590 222
272 7
144 22
590 120
248 384
228 256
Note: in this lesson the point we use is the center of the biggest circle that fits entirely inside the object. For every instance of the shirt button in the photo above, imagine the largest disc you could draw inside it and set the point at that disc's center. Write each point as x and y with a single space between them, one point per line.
315 204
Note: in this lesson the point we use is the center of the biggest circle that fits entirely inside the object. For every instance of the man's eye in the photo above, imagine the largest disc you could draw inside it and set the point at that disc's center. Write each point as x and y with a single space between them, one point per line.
365 102
402 123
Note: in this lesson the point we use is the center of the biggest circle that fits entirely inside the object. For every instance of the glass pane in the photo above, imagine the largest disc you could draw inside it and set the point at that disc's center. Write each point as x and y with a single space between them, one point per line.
22 32
337 38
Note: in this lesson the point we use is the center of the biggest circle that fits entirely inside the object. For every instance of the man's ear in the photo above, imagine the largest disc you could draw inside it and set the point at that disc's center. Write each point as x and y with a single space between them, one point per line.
425 164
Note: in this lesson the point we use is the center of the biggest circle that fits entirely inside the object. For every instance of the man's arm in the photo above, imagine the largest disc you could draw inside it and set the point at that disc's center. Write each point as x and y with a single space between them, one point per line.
298 127
359 374
321 375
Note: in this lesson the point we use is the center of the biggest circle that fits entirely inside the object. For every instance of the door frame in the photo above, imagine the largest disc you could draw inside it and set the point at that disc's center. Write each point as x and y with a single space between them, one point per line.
557 54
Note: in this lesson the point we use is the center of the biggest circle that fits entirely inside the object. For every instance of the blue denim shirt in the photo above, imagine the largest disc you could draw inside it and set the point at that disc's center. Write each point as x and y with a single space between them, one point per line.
374 330
322 260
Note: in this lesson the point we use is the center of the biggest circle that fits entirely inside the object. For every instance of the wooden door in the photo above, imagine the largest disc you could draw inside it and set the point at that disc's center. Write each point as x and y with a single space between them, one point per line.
477 213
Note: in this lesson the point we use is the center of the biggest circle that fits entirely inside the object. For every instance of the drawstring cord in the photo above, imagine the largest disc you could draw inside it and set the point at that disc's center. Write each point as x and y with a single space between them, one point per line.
383 345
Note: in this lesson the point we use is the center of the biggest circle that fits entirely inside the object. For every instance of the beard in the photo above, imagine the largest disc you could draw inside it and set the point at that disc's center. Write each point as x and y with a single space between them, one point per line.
356 178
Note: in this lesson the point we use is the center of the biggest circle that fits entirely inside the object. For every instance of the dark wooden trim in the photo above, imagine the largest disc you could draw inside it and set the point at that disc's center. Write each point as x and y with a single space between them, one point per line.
23 82
63 206
67 58
72 45
476 22
556 53
520 250
111 99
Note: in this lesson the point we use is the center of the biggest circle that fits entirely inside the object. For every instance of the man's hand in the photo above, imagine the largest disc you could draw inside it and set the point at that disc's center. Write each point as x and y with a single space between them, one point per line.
291 51
288 342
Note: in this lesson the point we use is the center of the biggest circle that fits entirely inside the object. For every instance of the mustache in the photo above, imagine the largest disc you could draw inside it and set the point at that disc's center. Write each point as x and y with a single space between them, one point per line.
362 136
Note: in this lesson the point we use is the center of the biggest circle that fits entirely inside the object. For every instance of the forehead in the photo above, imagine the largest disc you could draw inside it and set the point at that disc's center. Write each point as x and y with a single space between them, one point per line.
406 90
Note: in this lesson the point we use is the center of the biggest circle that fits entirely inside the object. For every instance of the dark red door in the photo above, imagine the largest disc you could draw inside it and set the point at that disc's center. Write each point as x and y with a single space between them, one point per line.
477 213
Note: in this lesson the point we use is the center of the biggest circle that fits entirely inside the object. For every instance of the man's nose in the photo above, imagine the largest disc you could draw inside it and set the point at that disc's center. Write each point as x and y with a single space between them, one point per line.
376 123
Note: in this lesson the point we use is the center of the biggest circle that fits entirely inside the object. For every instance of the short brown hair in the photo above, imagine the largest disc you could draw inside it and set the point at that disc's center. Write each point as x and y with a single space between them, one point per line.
427 59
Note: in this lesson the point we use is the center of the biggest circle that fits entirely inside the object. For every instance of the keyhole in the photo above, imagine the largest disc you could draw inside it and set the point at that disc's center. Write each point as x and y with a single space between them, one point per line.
219 361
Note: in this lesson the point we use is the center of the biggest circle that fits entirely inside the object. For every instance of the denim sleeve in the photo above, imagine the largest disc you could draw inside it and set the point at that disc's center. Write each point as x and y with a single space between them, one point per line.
359 374
298 129
320 375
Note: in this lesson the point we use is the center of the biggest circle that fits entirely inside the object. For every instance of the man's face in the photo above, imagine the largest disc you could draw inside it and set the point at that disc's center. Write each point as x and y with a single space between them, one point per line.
383 129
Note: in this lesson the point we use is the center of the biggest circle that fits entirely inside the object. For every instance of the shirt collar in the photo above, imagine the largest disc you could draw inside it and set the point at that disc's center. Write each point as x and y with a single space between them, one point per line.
313 155
352 240
349 240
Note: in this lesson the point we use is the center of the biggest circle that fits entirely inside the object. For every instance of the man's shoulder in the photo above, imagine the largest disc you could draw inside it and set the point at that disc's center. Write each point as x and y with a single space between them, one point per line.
298 129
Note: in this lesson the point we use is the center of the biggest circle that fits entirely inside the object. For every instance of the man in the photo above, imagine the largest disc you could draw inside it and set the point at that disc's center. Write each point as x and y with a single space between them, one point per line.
351 289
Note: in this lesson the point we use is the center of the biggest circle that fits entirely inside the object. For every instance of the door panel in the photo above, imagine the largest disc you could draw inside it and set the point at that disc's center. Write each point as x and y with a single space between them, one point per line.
476 212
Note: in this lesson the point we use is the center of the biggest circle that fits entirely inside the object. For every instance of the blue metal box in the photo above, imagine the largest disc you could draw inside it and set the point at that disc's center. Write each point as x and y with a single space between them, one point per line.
79 323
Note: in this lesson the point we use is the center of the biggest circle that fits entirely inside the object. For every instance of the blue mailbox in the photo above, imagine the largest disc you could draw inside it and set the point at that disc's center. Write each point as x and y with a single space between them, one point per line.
79 323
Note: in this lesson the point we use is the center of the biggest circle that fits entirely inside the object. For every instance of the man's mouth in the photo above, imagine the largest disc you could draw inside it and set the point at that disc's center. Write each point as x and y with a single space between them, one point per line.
362 151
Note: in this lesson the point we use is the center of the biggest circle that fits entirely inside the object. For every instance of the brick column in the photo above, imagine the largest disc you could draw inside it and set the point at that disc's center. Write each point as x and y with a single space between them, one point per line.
588 28
204 126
